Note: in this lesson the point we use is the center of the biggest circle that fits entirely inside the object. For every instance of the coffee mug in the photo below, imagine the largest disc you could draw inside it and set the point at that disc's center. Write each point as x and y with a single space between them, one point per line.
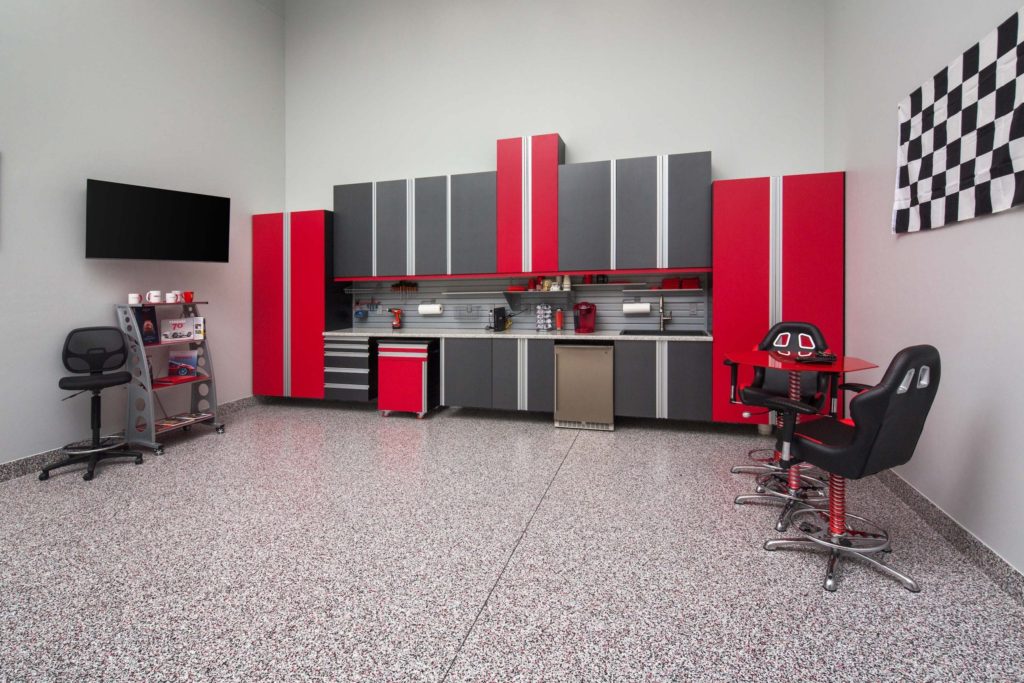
188 296
154 296
134 299
177 293
170 298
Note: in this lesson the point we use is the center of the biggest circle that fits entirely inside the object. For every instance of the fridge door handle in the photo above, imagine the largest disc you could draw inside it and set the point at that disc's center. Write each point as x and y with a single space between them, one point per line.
556 380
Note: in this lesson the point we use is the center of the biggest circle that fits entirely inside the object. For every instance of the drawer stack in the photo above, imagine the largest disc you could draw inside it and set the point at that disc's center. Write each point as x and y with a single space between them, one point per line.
350 369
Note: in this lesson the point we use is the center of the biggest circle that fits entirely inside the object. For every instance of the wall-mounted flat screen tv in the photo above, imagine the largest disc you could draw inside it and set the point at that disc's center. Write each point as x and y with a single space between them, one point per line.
133 222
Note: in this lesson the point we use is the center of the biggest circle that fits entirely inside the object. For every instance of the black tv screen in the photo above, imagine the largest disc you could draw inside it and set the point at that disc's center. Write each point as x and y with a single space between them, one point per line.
133 222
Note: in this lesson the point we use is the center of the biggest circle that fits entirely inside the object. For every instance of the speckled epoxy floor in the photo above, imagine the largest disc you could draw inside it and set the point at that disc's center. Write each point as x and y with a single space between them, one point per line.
324 543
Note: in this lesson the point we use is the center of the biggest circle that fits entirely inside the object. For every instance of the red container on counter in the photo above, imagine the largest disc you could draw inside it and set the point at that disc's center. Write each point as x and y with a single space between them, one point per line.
559 319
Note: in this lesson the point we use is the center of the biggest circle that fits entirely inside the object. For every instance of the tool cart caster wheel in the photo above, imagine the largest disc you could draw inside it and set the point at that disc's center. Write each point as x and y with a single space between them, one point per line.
159 450
138 459
88 476
220 430
187 428
385 413
419 416
43 476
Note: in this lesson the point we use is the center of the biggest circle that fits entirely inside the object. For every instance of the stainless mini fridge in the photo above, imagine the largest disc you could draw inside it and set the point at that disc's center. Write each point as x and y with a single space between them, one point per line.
585 386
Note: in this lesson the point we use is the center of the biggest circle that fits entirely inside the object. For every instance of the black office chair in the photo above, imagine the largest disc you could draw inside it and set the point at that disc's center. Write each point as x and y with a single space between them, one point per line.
887 421
94 350
773 486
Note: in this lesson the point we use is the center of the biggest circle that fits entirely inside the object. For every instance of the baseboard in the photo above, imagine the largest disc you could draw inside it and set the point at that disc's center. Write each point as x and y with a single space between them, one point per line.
1002 573
34 463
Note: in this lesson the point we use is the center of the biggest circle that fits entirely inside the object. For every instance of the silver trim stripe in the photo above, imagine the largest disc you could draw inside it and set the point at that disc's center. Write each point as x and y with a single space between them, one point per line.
527 203
660 193
612 259
661 381
373 230
401 354
410 226
775 250
442 357
354 371
523 375
287 307
448 224
346 354
358 387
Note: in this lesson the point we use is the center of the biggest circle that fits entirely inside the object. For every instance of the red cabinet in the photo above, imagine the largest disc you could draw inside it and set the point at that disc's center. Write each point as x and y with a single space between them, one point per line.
310 281
527 203
408 375
778 254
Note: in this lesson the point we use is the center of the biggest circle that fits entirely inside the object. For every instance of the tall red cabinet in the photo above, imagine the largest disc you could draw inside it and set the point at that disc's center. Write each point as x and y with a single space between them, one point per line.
778 254
527 203
294 300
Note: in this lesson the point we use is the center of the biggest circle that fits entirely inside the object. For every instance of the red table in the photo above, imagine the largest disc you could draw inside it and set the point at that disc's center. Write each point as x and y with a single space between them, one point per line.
786 362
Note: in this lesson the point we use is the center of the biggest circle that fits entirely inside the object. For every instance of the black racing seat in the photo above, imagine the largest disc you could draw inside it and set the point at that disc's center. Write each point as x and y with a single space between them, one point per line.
886 423
788 338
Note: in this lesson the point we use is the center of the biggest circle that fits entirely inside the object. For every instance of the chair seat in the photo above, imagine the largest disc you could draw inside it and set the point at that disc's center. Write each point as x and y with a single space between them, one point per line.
824 443
85 382
755 396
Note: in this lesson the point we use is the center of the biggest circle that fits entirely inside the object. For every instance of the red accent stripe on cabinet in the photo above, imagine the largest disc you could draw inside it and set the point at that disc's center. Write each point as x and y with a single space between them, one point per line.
268 304
546 157
308 293
740 315
510 206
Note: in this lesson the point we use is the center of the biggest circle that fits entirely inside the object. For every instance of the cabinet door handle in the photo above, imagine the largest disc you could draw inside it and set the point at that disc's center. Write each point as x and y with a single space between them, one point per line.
556 381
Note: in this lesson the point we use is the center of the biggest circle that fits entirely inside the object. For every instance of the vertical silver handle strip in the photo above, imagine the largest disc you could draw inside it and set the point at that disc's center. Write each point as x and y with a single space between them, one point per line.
442 372
373 230
410 226
448 223
287 289
611 261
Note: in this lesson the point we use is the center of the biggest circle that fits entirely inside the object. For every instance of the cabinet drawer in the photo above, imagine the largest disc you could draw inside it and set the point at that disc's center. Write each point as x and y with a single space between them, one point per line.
341 392
347 359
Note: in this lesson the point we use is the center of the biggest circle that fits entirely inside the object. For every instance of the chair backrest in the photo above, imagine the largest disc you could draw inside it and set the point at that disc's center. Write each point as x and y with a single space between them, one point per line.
794 338
94 350
890 416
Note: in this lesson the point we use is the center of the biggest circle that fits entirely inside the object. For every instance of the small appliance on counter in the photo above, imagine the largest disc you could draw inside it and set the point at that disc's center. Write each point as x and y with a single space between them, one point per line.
408 376
584 317
502 319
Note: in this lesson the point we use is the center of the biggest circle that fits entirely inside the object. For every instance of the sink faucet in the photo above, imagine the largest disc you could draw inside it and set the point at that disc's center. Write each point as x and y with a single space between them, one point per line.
663 315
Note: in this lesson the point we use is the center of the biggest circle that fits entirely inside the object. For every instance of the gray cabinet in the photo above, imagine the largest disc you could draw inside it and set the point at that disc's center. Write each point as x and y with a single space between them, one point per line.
505 374
584 216
540 375
474 239
636 378
688 377
467 373
636 213
689 211
431 226
392 227
353 230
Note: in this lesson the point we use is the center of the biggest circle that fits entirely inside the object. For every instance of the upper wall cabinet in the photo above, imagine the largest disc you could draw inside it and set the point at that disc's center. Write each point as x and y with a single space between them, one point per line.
430 226
391 228
642 213
353 230
473 235
584 216
527 203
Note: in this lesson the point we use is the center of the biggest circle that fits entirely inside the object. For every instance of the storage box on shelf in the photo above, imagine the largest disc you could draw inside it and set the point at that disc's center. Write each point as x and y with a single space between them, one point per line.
142 427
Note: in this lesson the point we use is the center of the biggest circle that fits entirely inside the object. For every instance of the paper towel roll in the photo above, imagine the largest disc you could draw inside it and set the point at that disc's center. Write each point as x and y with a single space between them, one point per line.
431 309
636 308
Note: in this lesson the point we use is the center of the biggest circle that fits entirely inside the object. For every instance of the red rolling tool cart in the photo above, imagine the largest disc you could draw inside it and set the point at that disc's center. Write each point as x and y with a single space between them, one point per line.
408 376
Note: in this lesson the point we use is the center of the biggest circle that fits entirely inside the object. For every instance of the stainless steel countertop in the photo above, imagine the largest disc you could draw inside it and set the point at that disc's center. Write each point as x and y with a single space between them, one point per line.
511 334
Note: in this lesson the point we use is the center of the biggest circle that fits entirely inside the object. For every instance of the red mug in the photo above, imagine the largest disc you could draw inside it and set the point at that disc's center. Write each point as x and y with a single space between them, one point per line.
188 296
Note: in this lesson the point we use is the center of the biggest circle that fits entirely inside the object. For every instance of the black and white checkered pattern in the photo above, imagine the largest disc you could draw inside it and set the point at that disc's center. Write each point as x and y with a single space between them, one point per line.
961 150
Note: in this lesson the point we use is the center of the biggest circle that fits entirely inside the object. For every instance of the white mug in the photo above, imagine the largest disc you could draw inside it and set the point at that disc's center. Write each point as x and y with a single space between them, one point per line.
154 296
170 298
177 296
134 299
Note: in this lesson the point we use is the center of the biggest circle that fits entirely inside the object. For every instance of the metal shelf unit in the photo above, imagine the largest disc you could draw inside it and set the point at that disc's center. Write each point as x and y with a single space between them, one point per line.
142 427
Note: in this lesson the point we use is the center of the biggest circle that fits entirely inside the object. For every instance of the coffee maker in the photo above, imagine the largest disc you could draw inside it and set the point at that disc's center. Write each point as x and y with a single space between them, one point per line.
584 317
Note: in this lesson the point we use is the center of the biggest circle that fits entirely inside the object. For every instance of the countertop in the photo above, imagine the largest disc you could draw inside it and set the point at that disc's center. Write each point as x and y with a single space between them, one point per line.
511 334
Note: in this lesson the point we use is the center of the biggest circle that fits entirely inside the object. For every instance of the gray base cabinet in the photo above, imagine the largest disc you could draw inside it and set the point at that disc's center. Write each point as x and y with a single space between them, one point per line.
467 373
540 375
505 374
689 381
636 378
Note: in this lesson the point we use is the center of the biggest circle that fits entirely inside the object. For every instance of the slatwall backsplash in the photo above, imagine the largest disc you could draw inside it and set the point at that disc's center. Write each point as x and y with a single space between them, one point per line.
468 303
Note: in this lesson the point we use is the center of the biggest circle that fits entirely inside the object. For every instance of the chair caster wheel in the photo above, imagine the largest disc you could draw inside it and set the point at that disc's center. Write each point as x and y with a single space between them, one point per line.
158 450
220 430
43 476
88 476
187 428
138 460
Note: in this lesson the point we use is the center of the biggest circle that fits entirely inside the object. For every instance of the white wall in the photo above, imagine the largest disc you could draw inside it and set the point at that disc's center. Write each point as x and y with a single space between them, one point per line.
184 95
381 90
958 287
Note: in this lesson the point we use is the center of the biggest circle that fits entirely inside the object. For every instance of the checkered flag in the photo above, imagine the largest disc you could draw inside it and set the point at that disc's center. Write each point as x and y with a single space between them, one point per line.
961 151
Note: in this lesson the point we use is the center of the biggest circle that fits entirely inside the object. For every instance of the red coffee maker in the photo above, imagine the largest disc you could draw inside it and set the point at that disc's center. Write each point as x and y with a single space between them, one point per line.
584 316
